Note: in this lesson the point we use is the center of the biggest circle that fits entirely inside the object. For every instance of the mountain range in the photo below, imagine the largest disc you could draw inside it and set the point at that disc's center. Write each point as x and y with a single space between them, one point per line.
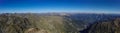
59 23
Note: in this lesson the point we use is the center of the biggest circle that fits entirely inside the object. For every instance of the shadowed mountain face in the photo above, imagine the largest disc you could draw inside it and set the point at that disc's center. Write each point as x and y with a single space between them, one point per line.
59 23
112 26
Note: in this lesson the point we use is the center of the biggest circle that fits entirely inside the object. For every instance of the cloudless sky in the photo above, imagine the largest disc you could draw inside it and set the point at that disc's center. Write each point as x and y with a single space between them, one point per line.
40 6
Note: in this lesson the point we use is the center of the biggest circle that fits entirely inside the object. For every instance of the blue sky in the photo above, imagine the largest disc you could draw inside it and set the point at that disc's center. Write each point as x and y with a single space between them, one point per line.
40 6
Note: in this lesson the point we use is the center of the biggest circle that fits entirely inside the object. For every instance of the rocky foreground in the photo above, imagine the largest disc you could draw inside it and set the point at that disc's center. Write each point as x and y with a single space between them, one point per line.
59 23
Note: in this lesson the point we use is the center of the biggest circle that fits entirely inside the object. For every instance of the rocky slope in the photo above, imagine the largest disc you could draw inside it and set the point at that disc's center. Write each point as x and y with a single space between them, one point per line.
30 23
55 23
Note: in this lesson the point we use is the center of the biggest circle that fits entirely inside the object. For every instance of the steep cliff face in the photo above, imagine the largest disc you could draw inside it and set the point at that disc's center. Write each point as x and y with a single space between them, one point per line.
106 27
